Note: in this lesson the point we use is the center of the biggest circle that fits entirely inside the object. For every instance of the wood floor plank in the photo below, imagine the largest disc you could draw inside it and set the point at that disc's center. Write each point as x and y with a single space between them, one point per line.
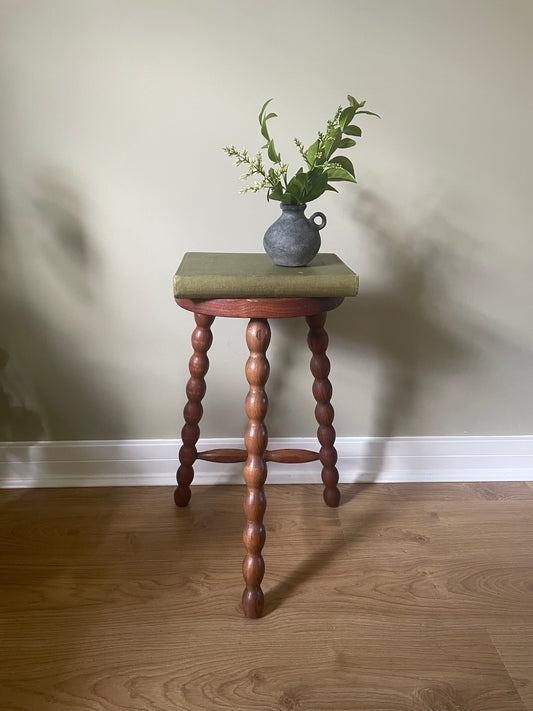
515 646
403 599
345 672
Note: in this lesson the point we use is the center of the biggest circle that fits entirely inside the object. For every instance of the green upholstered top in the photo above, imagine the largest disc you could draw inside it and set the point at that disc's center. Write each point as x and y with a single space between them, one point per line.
217 275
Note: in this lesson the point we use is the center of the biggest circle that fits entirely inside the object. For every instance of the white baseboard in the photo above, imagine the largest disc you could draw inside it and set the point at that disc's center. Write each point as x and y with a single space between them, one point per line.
153 462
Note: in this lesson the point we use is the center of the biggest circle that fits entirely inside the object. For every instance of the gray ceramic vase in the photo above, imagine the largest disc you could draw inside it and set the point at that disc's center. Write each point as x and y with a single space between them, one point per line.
293 239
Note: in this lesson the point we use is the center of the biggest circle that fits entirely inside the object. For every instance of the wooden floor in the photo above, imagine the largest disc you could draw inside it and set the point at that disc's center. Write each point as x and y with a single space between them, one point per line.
406 598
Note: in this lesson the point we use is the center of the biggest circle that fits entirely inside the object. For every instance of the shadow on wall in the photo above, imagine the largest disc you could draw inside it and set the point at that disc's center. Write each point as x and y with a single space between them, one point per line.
48 269
17 420
68 251
407 322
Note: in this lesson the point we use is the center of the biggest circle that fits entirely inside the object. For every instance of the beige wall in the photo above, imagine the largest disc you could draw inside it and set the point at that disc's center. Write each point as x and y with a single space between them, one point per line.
112 118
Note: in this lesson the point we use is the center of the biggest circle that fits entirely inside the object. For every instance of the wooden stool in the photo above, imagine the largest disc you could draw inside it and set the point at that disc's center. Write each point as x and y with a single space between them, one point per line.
201 285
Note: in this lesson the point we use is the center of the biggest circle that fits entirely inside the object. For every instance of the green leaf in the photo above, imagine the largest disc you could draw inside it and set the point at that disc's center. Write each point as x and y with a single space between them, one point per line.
353 102
289 199
370 113
330 187
345 163
264 129
346 116
316 184
338 173
311 152
263 120
297 187
332 142
352 130
305 187
263 110
275 193
274 157
337 141
347 143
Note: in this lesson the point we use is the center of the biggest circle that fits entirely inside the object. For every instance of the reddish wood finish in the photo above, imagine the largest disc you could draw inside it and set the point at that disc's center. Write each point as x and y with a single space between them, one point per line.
192 412
255 469
256 455
317 340
291 456
261 308
281 456
223 456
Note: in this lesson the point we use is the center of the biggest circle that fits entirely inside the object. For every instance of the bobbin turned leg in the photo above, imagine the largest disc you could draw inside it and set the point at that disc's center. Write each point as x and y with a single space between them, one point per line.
192 412
255 469
318 342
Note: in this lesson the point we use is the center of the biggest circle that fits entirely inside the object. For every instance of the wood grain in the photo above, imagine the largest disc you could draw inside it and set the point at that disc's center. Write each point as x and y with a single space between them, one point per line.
255 468
201 340
317 340
405 598
281 456
263 307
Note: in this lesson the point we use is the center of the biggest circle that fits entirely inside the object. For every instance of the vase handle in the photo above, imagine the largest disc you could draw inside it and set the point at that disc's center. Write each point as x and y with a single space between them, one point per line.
322 220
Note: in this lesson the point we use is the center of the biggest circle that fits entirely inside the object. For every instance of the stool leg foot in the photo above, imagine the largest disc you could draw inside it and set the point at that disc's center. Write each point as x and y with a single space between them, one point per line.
324 413
192 412
255 469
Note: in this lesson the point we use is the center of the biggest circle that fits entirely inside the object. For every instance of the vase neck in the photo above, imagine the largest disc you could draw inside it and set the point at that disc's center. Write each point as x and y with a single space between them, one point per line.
293 208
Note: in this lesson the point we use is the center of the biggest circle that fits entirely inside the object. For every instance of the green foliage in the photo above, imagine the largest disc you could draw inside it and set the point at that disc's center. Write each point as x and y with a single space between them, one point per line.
323 167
